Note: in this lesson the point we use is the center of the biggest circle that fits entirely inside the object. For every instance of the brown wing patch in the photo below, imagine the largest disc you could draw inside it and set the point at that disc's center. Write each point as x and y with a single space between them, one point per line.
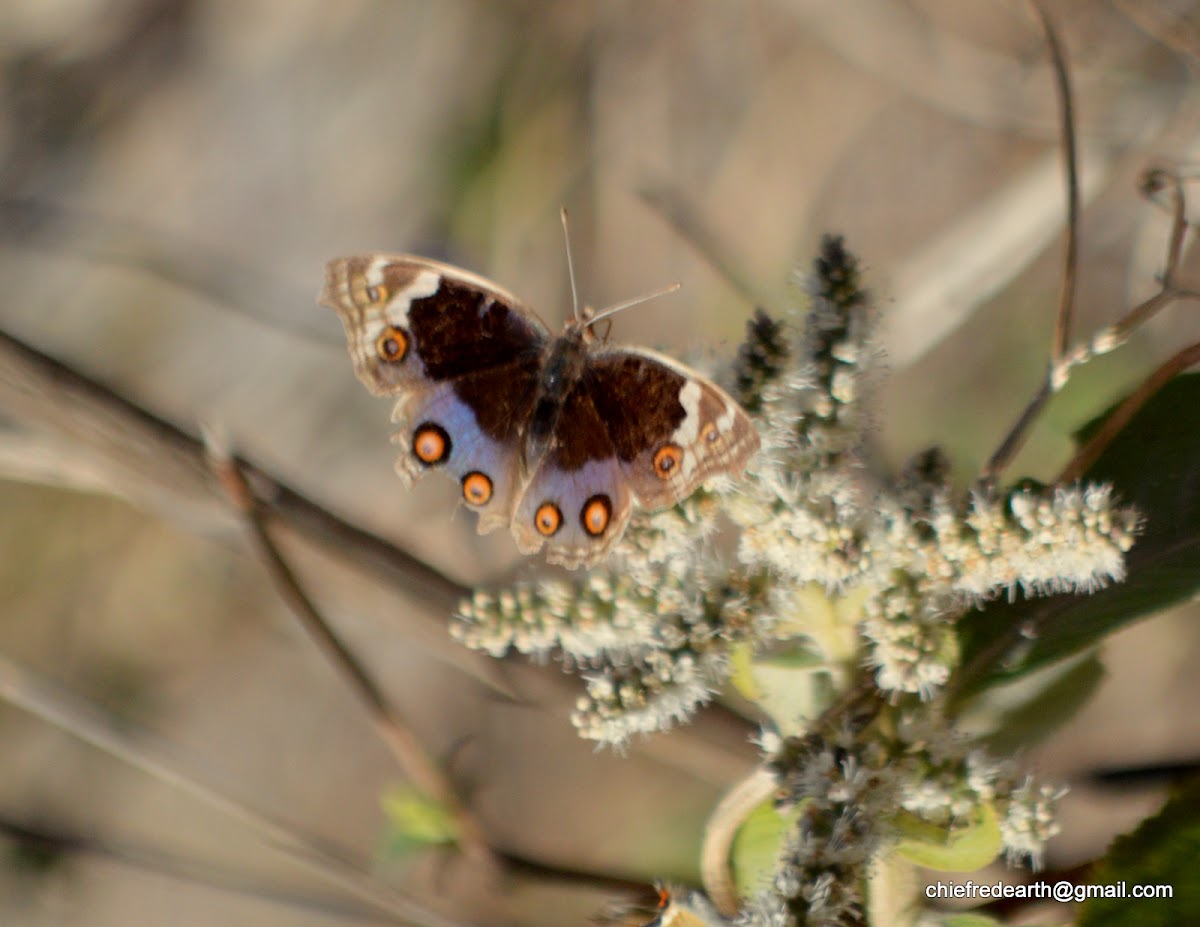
500 397
582 433
636 398
672 428
411 322
460 330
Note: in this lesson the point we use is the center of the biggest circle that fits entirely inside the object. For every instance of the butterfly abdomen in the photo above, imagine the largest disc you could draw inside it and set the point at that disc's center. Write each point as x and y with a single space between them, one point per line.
561 371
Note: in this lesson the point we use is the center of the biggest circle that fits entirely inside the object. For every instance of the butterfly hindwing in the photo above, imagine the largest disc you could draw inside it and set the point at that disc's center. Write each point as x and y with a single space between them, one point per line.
576 500
443 428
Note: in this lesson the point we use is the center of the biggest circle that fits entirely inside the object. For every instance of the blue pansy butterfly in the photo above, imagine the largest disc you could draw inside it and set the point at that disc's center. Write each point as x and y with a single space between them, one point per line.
555 437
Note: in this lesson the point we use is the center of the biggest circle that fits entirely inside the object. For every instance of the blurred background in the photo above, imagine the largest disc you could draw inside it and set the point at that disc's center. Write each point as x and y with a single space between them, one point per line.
174 175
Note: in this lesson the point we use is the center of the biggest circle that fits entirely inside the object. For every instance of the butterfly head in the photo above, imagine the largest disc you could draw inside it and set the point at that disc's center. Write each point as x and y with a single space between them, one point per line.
580 328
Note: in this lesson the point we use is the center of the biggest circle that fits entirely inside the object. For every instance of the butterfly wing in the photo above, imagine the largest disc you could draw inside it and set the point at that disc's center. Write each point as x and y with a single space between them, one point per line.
478 444
670 427
461 357
577 500
639 426
411 322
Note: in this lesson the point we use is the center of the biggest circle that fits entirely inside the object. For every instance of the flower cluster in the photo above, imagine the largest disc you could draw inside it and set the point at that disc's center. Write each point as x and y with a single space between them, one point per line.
652 641
845 791
867 577
948 782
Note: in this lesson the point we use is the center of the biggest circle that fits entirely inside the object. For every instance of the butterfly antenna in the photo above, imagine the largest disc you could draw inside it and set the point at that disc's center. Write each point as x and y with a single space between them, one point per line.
636 301
611 310
570 266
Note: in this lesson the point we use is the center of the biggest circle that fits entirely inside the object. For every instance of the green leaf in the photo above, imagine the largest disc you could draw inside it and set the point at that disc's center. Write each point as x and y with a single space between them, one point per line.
790 687
415 820
1162 851
741 676
1007 718
1155 465
756 847
958 849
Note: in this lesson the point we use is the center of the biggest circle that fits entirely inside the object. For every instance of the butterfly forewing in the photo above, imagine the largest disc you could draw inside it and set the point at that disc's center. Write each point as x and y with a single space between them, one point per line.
672 429
442 322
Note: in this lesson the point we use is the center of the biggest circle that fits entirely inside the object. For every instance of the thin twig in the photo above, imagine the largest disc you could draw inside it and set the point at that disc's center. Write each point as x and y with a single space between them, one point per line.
1070 158
23 689
1122 414
159 466
399 738
1112 336
56 840
1017 433
1153 182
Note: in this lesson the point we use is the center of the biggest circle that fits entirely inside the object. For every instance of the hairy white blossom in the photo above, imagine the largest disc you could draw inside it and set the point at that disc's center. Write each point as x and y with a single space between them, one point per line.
766 909
857 572
1029 822
646 698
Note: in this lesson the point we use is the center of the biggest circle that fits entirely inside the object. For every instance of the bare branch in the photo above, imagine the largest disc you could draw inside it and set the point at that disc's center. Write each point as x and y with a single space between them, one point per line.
1115 335
396 735
1070 157
1122 414
195 872
26 691
1015 438
158 466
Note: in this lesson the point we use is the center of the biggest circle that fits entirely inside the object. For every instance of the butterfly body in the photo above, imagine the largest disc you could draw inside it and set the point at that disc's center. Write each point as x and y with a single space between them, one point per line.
564 360
555 437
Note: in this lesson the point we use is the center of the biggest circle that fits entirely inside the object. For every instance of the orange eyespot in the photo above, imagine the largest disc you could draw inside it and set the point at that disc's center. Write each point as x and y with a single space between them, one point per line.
596 514
667 460
431 444
477 488
709 432
377 294
392 344
547 519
